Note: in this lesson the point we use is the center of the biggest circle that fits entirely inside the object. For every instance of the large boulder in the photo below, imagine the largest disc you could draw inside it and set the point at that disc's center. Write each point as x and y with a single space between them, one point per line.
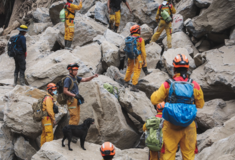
126 30
180 40
215 134
213 19
216 75
187 9
153 51
152 82
110 55
18 111
86 5
203 3
222 149
6 138
23 149
3 91
54 11
114 73
114 38
170 54
5 77
146 32
137 105
53 150
38 28
215 113
101 12
41 15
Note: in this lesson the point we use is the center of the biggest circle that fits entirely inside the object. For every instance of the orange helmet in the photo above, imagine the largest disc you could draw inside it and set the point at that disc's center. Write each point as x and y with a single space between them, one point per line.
160 106
181 61
74 66
51 86
135 29
107 149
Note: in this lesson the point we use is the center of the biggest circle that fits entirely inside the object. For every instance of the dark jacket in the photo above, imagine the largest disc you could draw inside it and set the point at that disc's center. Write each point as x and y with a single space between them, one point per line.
21 44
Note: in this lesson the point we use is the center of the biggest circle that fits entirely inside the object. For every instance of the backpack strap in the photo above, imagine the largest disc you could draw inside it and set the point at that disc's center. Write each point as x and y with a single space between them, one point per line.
169 81
65 7
190 80
72 82
170 10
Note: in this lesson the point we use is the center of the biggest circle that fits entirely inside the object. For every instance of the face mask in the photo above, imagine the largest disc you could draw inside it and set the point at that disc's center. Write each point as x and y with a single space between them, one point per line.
54 92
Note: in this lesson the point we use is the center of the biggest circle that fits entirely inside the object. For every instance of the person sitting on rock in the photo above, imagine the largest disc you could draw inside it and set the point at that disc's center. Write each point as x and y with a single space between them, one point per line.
135 65
73 107
49 120
20 62
174 134
114 7
156 155
169 8
107 151
69 22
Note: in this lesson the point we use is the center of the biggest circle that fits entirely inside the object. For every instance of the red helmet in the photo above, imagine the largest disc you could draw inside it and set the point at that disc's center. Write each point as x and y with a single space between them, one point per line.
73 66
135 29
181 61
160 106
107 149
51 86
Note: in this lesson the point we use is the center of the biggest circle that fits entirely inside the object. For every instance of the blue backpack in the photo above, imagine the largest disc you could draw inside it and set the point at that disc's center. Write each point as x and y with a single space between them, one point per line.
12 49
180 109
131 47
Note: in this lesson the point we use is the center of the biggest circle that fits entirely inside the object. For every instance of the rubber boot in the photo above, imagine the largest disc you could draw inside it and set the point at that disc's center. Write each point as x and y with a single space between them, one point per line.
134 89
22 81
74 140
115 29
146 72
65 44
68 45
126 84
15 79
111 26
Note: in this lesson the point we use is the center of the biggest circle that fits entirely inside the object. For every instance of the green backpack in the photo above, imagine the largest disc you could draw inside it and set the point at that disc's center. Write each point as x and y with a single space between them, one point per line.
165 15
153 137
62 15
112 89
38 114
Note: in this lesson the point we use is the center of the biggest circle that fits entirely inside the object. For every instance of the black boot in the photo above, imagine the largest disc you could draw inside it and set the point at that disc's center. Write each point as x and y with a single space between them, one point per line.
22 81
68 45
116 29
146 72
65 44
134 89
111 26
15 79
126 84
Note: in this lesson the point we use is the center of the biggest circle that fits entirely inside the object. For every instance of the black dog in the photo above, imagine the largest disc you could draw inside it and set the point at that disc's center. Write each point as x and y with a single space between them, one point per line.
79 131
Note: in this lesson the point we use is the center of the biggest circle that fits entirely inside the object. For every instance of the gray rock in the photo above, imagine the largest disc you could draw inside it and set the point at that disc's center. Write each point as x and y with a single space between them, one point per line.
86 5
41 15
54 11
232 33
126 30
203 45
203 3
101 12
2 47
38 28
186 8
199 59
153 51
146 32
229 42
114 38
23 149
1 31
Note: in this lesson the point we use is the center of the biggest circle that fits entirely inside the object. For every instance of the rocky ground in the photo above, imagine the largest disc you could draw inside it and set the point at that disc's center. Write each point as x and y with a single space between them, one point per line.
204 30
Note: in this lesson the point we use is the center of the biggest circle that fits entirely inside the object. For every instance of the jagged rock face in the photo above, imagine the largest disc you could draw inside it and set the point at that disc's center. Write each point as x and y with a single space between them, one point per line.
216 75
186 8
23 149
53 150
213 19
203 3
38 28
41 15
215 113
101 12
6 138
54 11
153 52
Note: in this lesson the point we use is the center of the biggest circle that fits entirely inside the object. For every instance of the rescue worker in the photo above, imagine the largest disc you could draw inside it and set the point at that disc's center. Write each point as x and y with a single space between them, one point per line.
107 151
162 24
69 22
73 107
20 62
156 155
172 134
114 9
49 120
135 65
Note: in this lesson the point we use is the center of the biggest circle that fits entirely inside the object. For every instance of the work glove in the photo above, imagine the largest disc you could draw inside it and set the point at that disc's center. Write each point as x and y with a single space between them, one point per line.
79 98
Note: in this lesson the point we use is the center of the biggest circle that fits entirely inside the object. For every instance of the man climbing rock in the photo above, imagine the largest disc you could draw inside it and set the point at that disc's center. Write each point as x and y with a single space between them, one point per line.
181 129
20 62
114 9
164 17
136 64
69 22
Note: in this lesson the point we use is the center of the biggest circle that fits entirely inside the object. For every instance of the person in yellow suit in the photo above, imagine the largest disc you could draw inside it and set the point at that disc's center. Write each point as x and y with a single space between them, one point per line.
69 22
135 65
114 9
162 24
172 134
49 120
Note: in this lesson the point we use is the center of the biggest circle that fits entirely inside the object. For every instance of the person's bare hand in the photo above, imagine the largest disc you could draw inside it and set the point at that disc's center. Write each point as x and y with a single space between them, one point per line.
95 75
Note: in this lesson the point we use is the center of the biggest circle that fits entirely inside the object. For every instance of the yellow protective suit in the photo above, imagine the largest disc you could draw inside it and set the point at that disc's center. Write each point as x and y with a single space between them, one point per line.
47 122
115 18
163 25
69 23
174 135
137 64
74 111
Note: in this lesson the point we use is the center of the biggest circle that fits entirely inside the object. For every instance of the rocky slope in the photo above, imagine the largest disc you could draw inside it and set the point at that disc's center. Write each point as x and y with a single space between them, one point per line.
204 30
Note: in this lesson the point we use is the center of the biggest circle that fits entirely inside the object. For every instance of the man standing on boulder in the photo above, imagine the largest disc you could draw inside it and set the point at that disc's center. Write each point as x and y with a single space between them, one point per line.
73 94
174 134
69 22
114 9
164 17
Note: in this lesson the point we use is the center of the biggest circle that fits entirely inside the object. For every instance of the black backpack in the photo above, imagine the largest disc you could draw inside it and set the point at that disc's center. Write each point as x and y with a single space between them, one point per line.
12 49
